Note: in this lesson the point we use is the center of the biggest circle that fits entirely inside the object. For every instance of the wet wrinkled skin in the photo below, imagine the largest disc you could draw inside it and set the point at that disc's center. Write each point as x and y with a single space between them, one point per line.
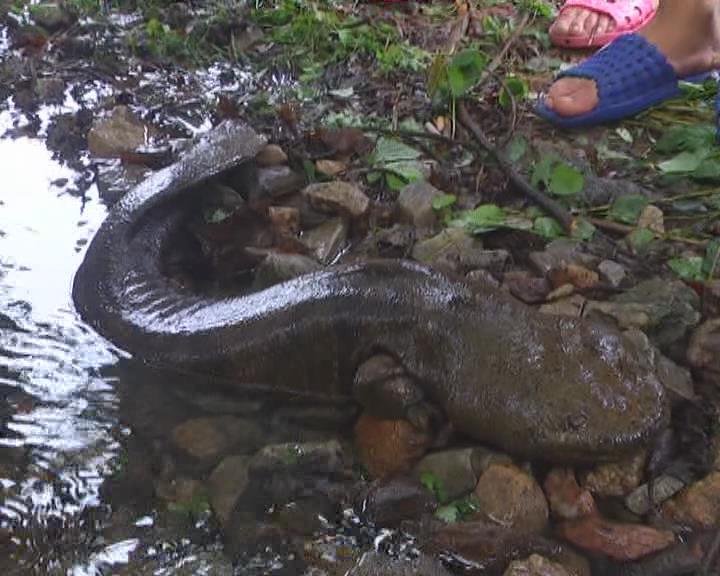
538 386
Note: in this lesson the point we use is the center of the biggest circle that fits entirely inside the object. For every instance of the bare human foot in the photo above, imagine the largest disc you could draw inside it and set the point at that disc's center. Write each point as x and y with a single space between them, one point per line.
687 32
584 22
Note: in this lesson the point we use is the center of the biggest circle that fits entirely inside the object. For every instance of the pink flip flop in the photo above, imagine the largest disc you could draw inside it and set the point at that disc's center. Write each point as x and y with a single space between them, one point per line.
628 15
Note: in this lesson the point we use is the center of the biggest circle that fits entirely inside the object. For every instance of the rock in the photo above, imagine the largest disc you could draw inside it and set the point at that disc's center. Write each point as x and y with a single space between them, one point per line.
567 500
447 244
535 565
114 179
388 502
52 16
271 155
305 516
571 307
525 287
341 198
711 298
278 267
387 447
612 272
452 468
330 167
321 458
482 458
509 496
119 133
482 279
575 275
326 240
226 483
268 183
664 487
180 490
704 350
558 254
623 542
664 310
378 564
598 190
50 90
285 220
698 505
561 292
207 439
394 242
415 204
652 218
615 478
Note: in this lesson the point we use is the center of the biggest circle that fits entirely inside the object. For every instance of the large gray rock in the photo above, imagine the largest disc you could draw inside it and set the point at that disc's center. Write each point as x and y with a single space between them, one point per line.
415 204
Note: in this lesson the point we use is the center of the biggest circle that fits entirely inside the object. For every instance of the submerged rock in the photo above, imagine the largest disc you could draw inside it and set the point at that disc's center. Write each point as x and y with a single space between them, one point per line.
226 483
698 505
616 478
388 502
704 350
567 499
535 565
452 468
120 132
378 564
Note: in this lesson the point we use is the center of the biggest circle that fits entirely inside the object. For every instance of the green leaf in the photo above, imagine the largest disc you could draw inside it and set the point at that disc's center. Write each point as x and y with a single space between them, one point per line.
683 163
542 171
390 150
443 201
448 513
711 262
565 181
627 209
582 229
434 485
513 88
686 139
516 149
547 228
639 239
373 177
407 171
464 71
690 268
484 218
395 182
709 169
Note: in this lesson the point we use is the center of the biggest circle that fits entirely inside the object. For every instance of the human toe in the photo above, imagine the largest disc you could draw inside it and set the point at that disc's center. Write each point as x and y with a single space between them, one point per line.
572 96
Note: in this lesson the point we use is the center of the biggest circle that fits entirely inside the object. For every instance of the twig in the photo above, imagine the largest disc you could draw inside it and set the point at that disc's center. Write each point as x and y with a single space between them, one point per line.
500 56
623 229
516 179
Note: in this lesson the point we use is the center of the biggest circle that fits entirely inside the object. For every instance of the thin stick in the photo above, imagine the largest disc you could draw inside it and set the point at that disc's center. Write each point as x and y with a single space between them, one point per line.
552 207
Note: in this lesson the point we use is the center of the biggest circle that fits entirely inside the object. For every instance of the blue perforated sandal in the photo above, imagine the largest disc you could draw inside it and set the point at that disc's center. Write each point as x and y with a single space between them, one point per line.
631 75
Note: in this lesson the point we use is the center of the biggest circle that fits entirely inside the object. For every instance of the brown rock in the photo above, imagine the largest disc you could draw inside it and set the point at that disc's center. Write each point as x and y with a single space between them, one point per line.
227 482
390 501
209 438
529 289
330 167
535 565
567 500
337 198
326 240
386 447
271 155
285 220
121 132
511 497
574 274
414 204
711 298
698 505
623 542
704 349
452 468
617 478
652 218
571 307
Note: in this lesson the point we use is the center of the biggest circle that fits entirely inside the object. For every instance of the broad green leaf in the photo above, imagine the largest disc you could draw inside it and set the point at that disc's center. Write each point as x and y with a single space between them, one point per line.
516 148
711 262
542 171
390 150
565 181
443 201
582 229
640 238
464 71
690 268
627 209
513 87
686 139
484 218
409 171
395 182
709 169
547 228
683 162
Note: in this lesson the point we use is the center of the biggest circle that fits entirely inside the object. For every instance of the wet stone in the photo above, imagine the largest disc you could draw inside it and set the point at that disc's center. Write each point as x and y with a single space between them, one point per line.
120 132
446 244
285 220
226 483
387 447
278 267
525 287
208 439
414 204
623 542
114 179
698 505
330 167
271 155
559 254
612 272
567 500
306 458
269 183
704 350
341 198
571 307
378 564
326 240
535 565
615 478
389 501
711 299
507 495
663 488
452 468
